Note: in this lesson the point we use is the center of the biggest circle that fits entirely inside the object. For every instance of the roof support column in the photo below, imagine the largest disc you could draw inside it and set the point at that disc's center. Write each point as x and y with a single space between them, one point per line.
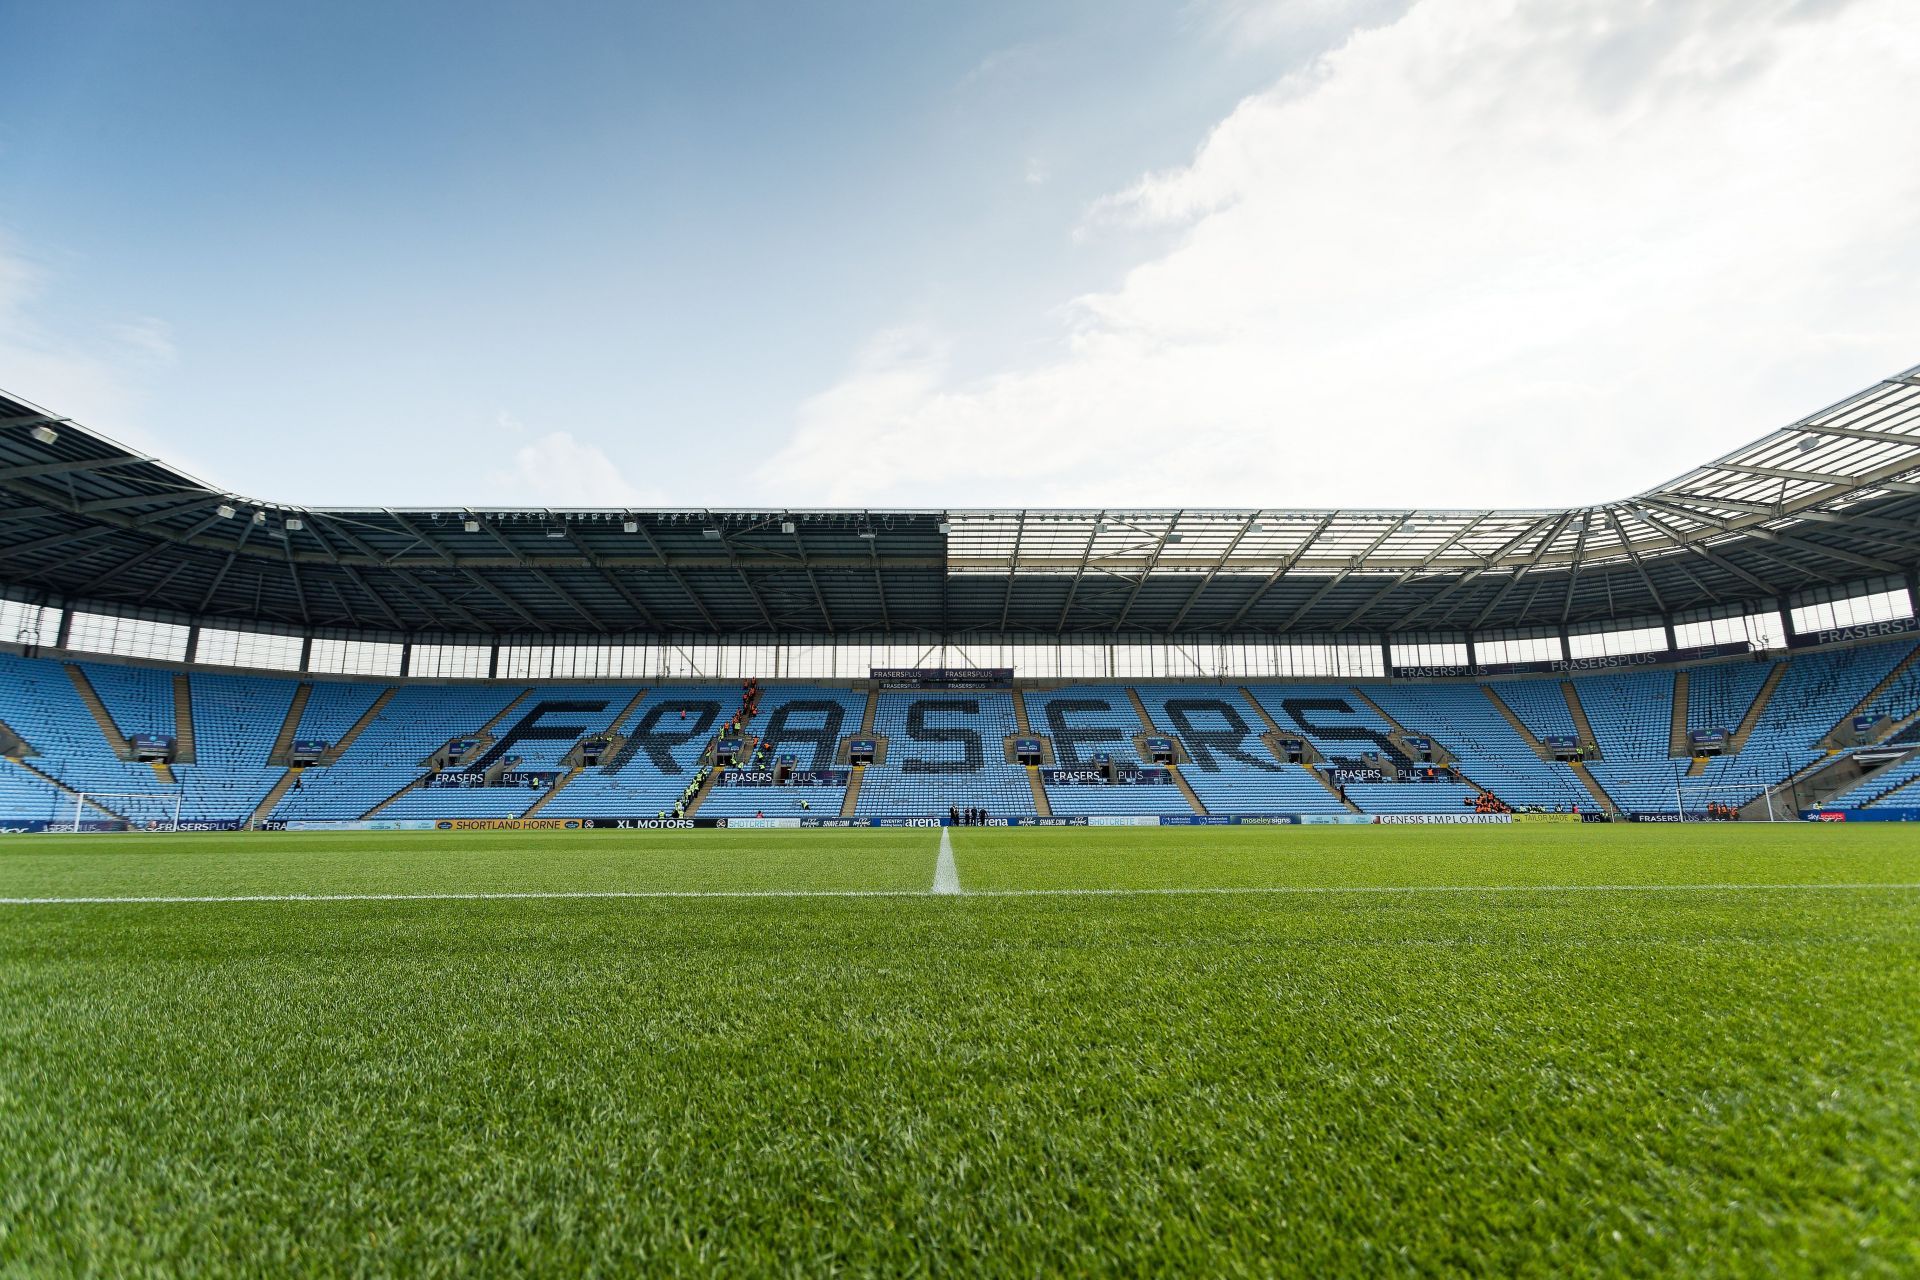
406 657
61 635
1386 656
1566 644
1786 616
306 653
493 661
1673 644
1473 656
1913 589
193 644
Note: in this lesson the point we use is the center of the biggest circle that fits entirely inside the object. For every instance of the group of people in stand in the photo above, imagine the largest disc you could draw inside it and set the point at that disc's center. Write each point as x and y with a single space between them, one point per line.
757 750
969 817
1487 802
1717 812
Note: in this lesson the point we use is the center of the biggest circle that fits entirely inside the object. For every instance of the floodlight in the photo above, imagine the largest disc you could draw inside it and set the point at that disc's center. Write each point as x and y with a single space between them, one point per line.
786 526
225 512
295 524
259 517
945 528
471 526
710 533
868 534
629 526
44 434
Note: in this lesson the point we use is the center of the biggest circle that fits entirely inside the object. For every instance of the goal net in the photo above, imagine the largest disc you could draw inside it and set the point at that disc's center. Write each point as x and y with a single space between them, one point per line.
1694 797
126 811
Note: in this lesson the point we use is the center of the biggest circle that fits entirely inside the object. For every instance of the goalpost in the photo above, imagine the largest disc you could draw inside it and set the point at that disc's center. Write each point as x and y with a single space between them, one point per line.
140 810
1691 796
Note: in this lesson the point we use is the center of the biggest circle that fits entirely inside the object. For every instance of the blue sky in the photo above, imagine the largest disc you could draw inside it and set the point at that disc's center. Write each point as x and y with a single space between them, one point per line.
1118 252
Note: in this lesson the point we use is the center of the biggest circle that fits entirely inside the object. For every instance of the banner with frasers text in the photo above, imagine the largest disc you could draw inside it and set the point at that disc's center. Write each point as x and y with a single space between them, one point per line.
795 778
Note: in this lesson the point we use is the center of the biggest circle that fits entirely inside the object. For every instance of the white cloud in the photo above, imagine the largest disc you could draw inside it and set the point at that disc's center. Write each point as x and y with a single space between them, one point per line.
1263 24
556 470
84 380
1492 253
147 338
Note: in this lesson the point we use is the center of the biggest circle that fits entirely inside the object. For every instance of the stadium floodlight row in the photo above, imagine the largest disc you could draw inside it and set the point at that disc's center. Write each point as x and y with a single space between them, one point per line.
1742 637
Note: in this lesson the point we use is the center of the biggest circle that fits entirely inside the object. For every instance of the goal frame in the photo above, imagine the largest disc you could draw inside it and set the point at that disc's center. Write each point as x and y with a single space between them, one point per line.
1702 792
83 799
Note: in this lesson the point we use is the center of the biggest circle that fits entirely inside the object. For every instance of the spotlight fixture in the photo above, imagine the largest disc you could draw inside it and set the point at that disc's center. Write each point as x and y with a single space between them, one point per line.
945 528
225 512
557 531
471 526
259 517
868 534
710 533
44 434
629 526
1806 445
295 524
786 526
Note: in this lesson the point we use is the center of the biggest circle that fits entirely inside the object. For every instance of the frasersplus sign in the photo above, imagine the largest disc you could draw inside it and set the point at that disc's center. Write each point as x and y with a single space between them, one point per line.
942 677
1665 657
1865 631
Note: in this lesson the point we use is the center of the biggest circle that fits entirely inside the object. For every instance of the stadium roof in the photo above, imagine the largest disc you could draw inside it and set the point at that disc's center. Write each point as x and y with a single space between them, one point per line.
1830 499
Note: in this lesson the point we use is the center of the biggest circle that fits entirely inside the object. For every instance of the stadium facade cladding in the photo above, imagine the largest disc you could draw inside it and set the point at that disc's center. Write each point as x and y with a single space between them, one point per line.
1806 513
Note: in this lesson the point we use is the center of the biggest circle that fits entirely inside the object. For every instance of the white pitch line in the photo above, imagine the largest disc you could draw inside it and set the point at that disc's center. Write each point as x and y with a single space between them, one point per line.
946 876
563 895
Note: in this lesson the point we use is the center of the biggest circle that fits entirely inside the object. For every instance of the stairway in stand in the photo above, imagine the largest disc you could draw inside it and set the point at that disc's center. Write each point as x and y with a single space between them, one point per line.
1679 745
91 699
183 752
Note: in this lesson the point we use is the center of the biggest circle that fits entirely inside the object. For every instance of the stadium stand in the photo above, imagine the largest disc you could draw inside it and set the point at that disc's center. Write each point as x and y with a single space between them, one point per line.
38 700
26 796
390 753
1229 768
1632 717
1815 693
663 739
1578 621
236 719
1541 705
1879 786
807 722
1083 721
140 699
1335 719
945 750
1719 696
1488 751
334 707
541 726
1898 699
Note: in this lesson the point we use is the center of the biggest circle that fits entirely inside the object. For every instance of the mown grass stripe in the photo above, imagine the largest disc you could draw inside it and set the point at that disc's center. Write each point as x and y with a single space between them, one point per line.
1233 890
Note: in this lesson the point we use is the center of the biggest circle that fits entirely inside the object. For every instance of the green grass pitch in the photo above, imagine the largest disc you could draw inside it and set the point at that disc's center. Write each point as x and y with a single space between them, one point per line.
1529 1050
